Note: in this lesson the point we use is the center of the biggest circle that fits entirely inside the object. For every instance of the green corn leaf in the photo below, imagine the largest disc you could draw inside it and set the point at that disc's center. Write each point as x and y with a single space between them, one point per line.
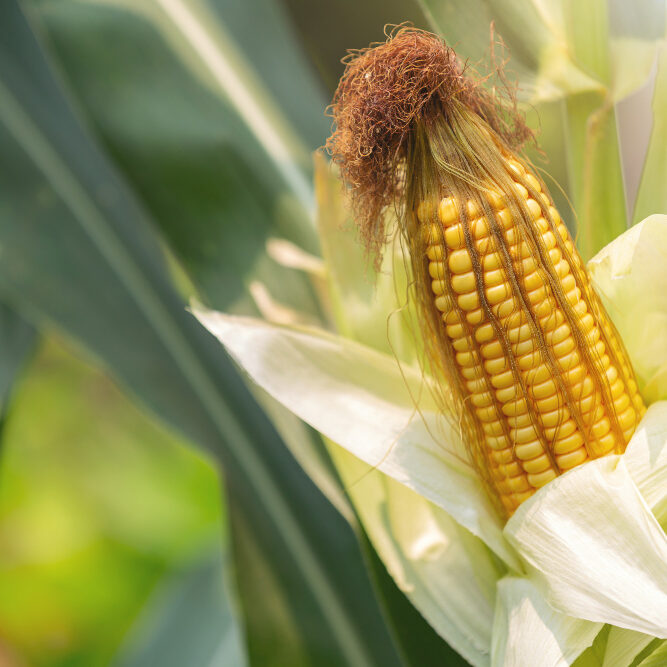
652 195
17 340
78 251
188 621
200 108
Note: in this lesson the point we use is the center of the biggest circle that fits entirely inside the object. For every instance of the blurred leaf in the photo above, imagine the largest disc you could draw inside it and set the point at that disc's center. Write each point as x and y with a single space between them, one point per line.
327 35
96 502
211 116
17 339
78 251
533 32
652 195
188 621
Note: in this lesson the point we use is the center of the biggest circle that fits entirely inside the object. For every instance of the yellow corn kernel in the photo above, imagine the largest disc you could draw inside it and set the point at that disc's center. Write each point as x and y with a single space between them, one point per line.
566 393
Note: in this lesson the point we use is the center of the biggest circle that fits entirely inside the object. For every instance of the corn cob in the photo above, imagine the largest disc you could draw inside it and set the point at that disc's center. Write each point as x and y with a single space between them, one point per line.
546 383
527 360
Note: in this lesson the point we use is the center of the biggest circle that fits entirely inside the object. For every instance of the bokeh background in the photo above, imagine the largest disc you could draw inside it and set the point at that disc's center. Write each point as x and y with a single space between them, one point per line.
148 151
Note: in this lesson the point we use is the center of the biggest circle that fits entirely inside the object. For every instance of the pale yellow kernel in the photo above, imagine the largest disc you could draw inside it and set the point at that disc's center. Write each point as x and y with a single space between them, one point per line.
562 231
452 316
493 278
612 374
493 428
562 268
545 308
568 444
472 373
482 399
463 283
468 301
472 208
516 167
498 293
435 252
484 333
543 390
497 442
476 385
523 435
512 469
518 334
438 287
495 198
622 402
437 270
475 316
537 375
444 303
549 403
627 418
533 208
561 431
523 347
572 459
513 408
462 344
542 226
549 240
601 428
521 190
496 366
432 234
520 251
518 483
558 335
533 280
528 450
555 216
533 182
529 360
554 418
454 237
492 350
564 347
455 330
518 421
508 393
447 211
459 261
502 380
487 414
504 218
537 295
538 464
539 479
467 358
505 308
569 361
568 283
502 456
607 443
492 261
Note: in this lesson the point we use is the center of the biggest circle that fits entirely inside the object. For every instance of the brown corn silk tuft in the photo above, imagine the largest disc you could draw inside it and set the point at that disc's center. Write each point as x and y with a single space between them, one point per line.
415 133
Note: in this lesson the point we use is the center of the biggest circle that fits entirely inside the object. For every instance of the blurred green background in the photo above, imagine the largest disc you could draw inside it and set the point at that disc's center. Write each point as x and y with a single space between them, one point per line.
148 150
